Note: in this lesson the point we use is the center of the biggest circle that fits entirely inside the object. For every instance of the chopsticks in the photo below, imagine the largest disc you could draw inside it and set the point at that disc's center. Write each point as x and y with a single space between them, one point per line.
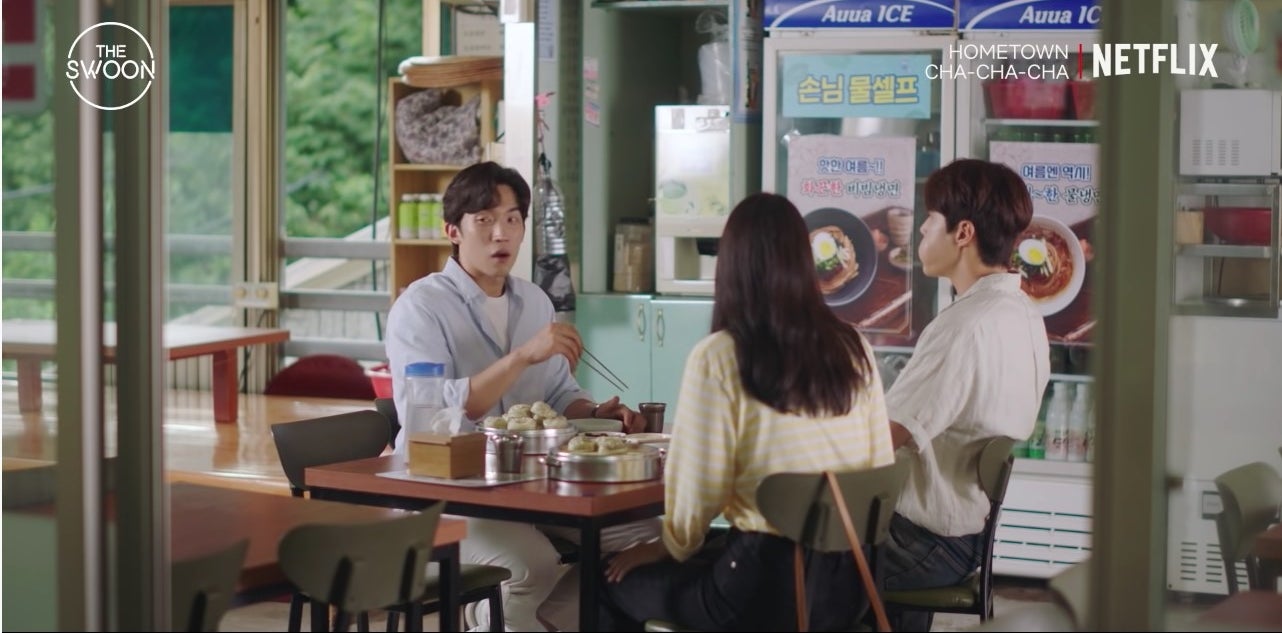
886 310
599 367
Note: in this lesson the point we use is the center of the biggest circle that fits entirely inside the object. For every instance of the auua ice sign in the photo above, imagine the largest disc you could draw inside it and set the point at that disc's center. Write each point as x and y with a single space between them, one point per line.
1017 15
859 14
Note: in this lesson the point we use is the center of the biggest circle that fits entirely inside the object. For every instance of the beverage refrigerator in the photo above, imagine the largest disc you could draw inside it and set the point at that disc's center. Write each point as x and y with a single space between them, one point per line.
1025 98
852 123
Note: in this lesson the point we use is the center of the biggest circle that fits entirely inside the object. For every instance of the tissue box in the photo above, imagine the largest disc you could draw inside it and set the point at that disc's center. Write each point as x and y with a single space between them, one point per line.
450 456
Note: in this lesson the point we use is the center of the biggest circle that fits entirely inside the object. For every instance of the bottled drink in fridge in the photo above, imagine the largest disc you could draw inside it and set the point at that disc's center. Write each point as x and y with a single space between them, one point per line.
1057 423
1078 424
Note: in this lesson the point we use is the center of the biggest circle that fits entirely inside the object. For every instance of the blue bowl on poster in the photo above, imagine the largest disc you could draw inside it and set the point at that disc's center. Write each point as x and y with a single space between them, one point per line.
844 275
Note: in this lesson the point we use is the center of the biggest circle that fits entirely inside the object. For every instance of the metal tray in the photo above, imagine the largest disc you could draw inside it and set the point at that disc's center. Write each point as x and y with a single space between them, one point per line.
538 441
641 463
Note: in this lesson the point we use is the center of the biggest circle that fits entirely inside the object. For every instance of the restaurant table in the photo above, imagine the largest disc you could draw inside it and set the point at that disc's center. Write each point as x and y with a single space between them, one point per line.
588 507
206 519
32 342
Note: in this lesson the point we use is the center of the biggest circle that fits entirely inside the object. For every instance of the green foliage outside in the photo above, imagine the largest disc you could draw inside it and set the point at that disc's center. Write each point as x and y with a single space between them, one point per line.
330 108
331 104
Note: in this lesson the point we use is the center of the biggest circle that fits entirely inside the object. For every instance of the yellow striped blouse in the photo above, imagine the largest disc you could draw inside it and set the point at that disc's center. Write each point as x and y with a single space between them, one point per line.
724 442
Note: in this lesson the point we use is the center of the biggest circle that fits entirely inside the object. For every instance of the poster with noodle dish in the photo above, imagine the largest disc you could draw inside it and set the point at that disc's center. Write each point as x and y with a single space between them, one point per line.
857 196
1053 256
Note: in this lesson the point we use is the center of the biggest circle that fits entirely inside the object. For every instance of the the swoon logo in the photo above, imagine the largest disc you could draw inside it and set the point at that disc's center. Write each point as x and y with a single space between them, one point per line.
128 58
1152 59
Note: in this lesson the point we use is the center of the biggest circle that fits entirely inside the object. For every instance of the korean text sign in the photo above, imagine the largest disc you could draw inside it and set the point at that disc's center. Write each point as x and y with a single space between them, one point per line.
856 85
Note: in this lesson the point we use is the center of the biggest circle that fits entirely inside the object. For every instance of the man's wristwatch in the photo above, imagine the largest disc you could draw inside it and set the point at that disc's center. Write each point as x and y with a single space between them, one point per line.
594 410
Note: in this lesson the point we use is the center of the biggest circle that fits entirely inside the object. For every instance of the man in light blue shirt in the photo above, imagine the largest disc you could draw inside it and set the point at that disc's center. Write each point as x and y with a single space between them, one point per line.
495 335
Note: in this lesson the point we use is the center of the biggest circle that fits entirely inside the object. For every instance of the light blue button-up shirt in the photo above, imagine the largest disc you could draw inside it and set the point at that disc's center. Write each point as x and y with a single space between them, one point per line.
441 319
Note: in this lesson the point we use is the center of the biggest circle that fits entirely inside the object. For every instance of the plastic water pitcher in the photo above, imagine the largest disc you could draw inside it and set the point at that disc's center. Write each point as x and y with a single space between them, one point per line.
424 394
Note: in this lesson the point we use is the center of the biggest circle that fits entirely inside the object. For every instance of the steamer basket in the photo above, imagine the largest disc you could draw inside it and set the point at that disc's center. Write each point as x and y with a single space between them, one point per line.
640 463
538 441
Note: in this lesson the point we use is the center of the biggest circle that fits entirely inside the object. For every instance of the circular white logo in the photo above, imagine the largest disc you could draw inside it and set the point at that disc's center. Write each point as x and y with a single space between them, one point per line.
122 60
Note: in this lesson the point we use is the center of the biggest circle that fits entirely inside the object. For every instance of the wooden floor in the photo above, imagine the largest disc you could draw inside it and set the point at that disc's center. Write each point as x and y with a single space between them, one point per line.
196 449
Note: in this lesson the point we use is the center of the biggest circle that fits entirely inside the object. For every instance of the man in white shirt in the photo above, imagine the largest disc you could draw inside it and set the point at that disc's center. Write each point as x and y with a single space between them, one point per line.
495 335
979 371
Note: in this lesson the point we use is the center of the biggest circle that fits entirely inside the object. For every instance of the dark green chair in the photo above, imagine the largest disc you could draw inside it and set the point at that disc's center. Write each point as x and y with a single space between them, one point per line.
974 595
201 589
1250 496
359 567
801 506
360 435
387 407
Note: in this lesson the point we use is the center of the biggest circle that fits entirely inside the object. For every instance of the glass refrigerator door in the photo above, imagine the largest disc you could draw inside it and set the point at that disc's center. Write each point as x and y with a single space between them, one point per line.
851 128
1032 112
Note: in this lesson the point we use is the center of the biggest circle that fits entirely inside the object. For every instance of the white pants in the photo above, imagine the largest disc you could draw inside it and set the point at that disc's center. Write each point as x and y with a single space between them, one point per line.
540 587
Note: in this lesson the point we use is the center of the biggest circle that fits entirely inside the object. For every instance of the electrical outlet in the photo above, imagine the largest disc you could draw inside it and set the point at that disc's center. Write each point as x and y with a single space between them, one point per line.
262 296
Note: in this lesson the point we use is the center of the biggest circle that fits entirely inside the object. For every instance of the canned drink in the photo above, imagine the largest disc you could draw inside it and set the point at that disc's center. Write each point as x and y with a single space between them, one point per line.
438 215
407 217
424 206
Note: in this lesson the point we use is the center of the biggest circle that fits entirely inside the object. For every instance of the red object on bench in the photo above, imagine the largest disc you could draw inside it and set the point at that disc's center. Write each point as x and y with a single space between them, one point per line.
322 375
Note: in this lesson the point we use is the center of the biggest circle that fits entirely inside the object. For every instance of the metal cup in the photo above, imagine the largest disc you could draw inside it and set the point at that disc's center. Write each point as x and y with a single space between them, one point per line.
510 450
653 414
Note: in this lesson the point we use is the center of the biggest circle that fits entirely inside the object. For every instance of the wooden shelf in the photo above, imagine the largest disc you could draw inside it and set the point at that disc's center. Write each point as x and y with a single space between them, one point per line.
413 259
419 242
418 167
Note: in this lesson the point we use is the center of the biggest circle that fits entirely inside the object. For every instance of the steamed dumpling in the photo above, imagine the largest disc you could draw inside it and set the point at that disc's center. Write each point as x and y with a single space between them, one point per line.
557 422
611 445
582 444
495 422
542 410
518 411
521 424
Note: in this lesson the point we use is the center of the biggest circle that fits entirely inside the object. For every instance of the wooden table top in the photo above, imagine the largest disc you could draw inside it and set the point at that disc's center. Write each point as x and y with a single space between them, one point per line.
38 338
1269 544
206 518
541 495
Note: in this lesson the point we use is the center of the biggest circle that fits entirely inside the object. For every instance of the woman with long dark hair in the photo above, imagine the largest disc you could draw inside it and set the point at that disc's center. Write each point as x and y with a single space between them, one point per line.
781 385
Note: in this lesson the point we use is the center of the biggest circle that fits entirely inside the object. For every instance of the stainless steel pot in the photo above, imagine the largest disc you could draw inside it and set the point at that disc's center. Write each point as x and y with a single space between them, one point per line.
641 463
538 441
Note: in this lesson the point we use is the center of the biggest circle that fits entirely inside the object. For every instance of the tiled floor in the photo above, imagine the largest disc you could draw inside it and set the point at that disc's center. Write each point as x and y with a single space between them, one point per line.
271 616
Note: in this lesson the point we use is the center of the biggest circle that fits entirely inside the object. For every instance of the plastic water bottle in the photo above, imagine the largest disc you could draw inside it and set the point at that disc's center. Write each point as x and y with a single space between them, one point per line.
1057 423
1079 423
424 395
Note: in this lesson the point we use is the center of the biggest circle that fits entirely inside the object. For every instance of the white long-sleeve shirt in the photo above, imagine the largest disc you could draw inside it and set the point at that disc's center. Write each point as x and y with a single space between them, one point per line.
978 372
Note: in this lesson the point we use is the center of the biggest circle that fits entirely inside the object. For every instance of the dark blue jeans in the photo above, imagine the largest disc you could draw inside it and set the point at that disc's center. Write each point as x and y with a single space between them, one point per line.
916 558
747 585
